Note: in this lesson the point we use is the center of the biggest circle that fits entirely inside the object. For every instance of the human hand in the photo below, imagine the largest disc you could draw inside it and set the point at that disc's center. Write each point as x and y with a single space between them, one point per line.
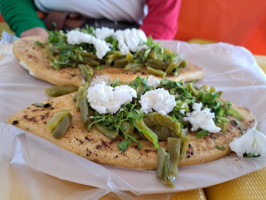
34 31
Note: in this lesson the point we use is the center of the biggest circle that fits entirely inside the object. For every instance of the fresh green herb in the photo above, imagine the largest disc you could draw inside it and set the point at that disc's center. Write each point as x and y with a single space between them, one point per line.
140 85
250 155
220 147
209 98
123 146
202 133
99 67
114 84
175 72
39 43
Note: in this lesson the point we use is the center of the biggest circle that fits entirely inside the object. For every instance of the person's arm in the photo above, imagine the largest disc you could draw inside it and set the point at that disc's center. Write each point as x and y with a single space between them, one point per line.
21 16
161 20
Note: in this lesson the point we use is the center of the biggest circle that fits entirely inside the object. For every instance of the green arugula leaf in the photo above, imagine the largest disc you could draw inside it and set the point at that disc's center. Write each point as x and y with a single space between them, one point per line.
220 147
99 67
40 43
114 84
136 114
202 133
111 40
123 146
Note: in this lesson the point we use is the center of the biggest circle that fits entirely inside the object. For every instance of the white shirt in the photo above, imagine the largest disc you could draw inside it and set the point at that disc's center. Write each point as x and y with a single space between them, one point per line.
114 10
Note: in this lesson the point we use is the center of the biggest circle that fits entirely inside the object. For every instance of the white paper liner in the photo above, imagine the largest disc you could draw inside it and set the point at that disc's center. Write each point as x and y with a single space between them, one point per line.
228 68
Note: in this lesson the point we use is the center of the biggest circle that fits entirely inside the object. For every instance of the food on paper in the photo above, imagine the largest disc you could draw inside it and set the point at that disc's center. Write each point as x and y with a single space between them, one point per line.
60 59
126 134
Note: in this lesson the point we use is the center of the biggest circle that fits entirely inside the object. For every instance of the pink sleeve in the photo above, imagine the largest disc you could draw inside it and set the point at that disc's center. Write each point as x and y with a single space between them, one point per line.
161 20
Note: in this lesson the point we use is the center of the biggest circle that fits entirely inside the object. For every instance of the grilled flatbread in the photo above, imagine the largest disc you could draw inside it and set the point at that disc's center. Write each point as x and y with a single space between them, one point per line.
96 147
32 57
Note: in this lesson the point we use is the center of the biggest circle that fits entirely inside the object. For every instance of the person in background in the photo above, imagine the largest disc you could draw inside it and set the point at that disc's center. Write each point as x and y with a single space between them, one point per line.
159 19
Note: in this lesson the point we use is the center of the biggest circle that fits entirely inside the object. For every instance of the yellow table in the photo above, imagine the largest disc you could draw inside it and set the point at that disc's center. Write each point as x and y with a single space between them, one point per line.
261 61
250 186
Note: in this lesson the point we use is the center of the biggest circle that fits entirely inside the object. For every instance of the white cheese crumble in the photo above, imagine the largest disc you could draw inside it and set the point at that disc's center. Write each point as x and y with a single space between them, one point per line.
128 40
25 66
153 82
106 99
202 119
134 37
253 142
182 111
102 33
77 37
101 48
120 36
158 100
100 79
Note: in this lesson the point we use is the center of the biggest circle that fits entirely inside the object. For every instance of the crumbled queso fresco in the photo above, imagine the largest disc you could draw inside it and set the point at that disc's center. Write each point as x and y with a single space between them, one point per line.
128 40
77 37
158 100
106 99
253 142
202 119
153 82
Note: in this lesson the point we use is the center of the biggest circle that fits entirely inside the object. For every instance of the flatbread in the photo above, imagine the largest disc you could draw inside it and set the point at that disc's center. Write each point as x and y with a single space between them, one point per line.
96 147
32 56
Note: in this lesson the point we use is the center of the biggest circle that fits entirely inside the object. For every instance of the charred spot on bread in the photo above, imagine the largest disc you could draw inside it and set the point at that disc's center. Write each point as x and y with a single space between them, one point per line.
31 119
88 139
79 140
15 122
104 144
